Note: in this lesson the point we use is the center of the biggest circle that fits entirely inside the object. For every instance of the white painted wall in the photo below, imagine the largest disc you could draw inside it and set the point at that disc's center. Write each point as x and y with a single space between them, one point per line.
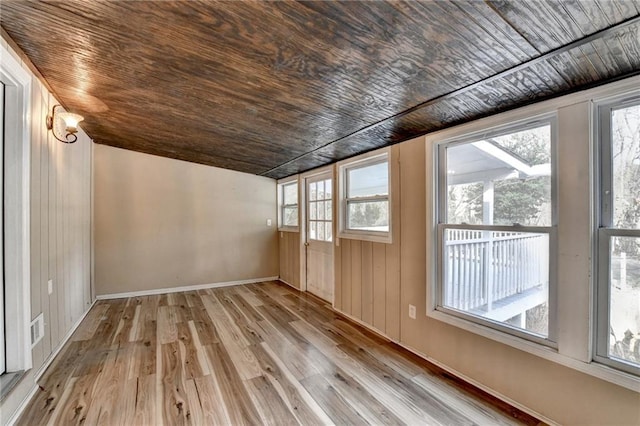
165 223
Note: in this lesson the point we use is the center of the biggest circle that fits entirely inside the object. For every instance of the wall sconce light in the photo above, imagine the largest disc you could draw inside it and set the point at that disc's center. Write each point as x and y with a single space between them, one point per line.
70 120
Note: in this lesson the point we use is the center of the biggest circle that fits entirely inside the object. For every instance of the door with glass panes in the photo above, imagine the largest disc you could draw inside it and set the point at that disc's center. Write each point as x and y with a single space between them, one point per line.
319 235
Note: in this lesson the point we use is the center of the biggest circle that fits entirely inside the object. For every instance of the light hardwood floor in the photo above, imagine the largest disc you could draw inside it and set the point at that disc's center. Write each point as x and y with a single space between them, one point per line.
253 354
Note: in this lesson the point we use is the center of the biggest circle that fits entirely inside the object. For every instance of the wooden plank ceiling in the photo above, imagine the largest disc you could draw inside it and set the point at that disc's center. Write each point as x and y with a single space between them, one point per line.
276 88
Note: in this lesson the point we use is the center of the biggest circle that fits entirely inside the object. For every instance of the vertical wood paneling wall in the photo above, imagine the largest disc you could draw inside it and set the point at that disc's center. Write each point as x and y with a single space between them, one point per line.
289 246
60 196
368 273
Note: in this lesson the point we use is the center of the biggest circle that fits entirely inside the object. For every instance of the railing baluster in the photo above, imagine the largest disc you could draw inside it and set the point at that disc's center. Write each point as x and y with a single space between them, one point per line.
454 286
486 266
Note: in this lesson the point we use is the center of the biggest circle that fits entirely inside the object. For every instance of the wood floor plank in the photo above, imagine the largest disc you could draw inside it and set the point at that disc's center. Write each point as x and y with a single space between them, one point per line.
367 406
270 406
214 410
193 363
300 403
175 407
87 329
428 403
240 407
145 401
336 407
246 355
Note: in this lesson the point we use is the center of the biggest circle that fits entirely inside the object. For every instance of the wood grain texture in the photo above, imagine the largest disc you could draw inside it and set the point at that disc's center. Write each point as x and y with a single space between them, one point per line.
311 366
289 246
277 88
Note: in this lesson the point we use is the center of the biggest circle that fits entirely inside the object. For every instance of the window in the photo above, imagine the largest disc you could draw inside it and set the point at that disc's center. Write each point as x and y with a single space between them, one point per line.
288 196
618 294
365 204
495 229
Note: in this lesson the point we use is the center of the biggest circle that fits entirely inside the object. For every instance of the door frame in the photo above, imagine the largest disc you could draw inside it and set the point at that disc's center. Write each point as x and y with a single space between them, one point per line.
17 152
302 191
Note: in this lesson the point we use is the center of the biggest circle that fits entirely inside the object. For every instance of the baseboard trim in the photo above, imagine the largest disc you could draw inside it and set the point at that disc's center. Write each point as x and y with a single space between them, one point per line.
452 371
289 284
185 288
23 405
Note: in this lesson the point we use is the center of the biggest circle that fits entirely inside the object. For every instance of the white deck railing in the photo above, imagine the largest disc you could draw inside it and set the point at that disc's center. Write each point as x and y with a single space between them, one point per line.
484 267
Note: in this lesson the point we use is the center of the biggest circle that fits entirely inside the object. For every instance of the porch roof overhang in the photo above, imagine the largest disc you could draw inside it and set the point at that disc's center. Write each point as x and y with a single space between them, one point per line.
485 161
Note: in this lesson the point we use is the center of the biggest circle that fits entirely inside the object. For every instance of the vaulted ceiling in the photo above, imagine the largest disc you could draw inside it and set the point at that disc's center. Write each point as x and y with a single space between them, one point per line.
276 88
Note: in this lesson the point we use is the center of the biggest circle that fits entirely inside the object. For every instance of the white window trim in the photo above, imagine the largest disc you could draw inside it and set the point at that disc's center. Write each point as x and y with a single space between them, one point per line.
440 168
280 185
17 221
604 232
363 160
575 333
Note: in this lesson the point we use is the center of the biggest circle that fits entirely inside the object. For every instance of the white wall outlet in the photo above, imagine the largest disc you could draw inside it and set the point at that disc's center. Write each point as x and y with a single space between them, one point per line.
268 222
50 286
412 312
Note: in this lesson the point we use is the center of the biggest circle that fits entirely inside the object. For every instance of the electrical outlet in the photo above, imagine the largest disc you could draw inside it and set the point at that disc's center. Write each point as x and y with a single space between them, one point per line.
412 312
268 222
50 286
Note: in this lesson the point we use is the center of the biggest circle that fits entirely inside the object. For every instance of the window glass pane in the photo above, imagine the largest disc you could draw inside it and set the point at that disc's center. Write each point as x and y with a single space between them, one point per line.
501 180
312 230
312 211
312 191
290 193
328 231
464 203
320 190
327 188
624 303
368 181
328 215
499 276
321 231
369 216
321 210
625 153
290 216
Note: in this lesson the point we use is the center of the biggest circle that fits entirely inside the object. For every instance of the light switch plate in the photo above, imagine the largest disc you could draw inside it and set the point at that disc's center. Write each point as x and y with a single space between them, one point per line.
412 312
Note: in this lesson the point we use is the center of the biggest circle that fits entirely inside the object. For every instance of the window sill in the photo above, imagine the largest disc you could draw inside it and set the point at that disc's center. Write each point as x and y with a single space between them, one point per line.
288 229
600 371
375 237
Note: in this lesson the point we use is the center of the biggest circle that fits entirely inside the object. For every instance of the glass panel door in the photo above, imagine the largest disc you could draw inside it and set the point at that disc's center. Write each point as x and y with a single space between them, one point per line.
319 235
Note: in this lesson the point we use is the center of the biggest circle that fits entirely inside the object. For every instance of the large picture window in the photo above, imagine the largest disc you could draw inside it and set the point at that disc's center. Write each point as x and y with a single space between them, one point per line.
365 212
618 295
495 229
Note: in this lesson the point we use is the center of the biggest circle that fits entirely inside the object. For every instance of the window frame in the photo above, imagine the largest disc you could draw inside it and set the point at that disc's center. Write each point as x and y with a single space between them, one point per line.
291 180
605 231
359 162
441 225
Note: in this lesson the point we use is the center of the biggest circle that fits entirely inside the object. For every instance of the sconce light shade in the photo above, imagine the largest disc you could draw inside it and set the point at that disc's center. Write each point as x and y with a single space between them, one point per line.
70 120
